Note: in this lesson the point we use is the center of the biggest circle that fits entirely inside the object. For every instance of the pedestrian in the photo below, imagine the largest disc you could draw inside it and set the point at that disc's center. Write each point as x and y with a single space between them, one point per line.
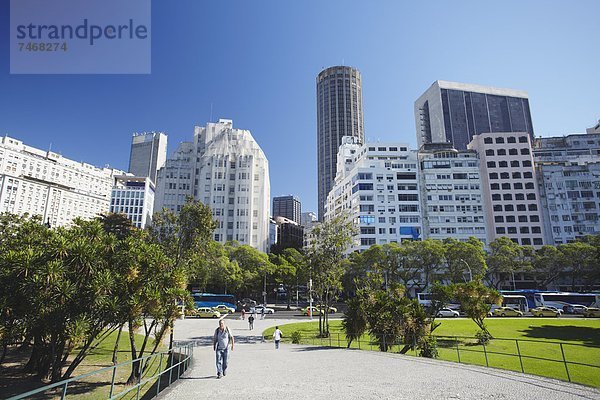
251 322
262 313
277 335
243 313
222 344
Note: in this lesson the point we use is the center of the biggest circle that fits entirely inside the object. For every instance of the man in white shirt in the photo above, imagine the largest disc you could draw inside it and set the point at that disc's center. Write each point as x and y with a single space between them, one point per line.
277 335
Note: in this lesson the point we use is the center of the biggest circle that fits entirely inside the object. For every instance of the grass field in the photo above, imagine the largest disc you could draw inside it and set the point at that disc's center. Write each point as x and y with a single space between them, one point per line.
537 340
97 386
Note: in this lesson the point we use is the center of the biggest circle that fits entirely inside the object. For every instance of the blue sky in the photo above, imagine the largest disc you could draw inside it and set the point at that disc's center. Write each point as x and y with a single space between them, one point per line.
256 61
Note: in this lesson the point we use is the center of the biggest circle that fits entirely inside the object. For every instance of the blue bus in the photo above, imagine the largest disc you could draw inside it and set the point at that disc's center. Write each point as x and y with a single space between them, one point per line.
212 300
528 293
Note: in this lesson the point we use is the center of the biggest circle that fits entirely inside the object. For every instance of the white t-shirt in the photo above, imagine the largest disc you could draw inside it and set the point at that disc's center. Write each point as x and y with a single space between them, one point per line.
277 334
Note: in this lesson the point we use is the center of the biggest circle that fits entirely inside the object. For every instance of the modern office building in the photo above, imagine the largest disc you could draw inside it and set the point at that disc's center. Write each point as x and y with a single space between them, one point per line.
451 193
134 197
339 114
148 154
44 183
455 112
289 233
226 169
377 187
568 172
288 207
511 194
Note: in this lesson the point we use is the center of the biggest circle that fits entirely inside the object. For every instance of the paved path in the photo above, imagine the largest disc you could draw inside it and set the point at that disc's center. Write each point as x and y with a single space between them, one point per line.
258 371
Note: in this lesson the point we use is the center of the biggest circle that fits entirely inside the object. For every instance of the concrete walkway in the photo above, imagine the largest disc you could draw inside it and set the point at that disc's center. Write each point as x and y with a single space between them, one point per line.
258 371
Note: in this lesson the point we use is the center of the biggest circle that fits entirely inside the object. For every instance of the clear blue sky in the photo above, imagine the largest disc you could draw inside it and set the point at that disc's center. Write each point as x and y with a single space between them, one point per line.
256 62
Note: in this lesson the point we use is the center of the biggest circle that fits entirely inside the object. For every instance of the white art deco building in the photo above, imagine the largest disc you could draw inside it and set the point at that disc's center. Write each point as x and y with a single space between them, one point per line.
40 182
377 186
568 171
226 169
451 192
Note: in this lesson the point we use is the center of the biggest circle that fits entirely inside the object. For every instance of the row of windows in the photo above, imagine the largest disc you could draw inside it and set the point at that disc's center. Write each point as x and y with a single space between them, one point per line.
515 175
510 139
502 152
513 164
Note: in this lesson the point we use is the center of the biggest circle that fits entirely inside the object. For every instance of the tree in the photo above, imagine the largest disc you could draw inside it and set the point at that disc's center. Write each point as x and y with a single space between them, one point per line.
579 260
507 257
288 266
441 295
475 301
547 265
464 257
326 261
428 258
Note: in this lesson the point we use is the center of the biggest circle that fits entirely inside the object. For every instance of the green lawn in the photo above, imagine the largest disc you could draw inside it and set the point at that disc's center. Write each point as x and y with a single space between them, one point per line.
96 386
537 338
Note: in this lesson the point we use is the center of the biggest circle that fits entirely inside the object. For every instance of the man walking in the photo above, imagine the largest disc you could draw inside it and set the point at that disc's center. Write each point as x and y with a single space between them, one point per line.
251 322
221 341
277 335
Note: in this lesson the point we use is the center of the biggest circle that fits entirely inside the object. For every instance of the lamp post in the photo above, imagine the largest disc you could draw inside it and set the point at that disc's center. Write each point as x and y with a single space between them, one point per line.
469 268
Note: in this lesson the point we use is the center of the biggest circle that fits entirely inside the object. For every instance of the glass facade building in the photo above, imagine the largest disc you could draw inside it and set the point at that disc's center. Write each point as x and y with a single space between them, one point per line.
455 112
339 114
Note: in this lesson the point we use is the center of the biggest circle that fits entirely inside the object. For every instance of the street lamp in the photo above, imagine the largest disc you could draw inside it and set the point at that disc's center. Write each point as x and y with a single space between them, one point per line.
469 268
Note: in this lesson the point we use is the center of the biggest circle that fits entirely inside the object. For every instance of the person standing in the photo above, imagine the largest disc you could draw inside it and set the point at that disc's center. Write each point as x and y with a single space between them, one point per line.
262 313
222 343
251 322
277 335
243 313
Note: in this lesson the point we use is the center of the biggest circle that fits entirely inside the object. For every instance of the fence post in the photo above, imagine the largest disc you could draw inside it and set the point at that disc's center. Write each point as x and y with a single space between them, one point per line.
487 364
139 384
112 382
339 340
520 359
457 350
64 393
159 374
179 363
565 361
170 365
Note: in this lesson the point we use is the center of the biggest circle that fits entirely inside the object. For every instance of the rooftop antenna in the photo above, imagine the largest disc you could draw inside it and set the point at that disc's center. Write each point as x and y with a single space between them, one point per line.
342 62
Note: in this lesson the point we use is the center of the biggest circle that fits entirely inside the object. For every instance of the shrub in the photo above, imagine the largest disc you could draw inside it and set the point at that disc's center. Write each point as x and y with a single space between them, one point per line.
483 337
296 336
428 347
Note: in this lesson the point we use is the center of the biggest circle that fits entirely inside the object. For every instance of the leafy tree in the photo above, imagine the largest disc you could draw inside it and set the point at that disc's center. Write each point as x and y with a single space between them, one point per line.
507 257
547 265
475 301
441 295
288 266
254 266
462 256
325 257
117 224
427 257
579 260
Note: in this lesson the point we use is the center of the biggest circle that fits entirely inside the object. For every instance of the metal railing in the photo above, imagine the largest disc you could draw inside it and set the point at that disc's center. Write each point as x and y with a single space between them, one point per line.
171 363
538 357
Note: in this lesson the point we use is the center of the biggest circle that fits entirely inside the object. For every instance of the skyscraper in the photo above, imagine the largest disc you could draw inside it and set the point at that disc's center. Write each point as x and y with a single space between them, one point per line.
455 112
339 114
148 154
226 169
288 207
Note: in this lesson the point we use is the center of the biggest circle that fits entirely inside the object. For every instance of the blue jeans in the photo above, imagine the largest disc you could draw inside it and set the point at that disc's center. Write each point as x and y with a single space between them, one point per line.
277 344
222 360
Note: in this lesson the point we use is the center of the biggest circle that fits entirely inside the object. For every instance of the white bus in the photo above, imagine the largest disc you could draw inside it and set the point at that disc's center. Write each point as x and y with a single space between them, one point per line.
563 300
515 301
425 300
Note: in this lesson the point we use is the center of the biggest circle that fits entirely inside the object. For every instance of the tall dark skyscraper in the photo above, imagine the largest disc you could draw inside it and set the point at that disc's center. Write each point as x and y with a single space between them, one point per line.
339 113
454 112
148 154
288 207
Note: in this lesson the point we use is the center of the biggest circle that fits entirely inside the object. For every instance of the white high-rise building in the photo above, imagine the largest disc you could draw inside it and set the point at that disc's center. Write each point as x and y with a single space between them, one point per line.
568 171
512 201
227 170
40 182
451 193
134 197
377 186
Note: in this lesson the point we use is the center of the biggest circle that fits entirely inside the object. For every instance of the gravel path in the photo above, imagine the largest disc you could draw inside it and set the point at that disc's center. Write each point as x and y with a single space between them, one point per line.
258 371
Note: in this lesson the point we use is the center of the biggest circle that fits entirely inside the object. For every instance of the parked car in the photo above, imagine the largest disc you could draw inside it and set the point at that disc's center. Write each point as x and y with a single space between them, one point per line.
544 312
592 312
258 310
206 312
558 310
223 309
507 312
574 309
446 312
